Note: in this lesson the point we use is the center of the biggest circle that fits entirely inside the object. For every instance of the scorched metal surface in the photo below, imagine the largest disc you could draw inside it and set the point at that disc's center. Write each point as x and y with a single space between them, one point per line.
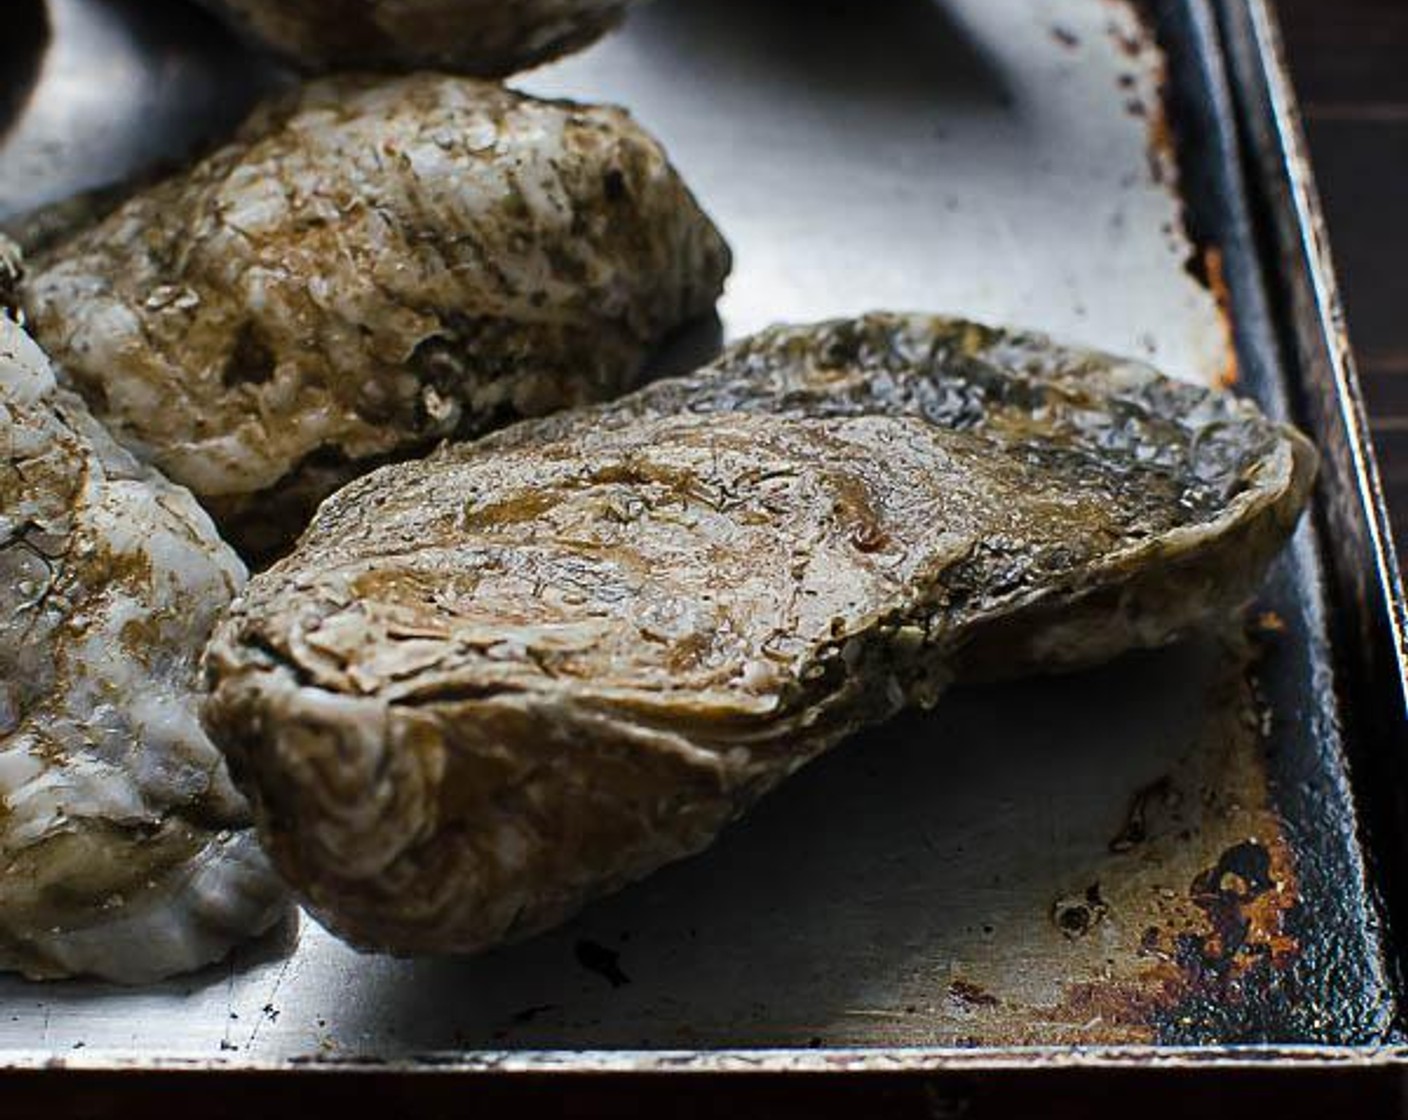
1161 852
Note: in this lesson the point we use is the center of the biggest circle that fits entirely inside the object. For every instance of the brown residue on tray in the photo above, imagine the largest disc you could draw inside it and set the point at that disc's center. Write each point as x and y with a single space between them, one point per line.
1217 283
1223 941
1131 41
1186 930
1183 931
1205 265
1135 829
1162 153
1121 1011
1243 900
968 995
1205 262
1075 916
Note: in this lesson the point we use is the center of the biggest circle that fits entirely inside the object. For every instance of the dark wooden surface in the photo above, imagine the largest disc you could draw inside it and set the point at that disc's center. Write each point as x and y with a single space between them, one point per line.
1349 61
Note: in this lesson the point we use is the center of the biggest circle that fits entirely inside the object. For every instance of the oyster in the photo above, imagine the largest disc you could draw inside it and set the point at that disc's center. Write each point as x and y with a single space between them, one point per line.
371 266
491 38
125 851
492 685
11 273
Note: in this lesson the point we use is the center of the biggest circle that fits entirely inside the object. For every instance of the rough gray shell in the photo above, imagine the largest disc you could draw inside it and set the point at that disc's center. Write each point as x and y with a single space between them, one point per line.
125 852
490 686
11 273
490 38
368 267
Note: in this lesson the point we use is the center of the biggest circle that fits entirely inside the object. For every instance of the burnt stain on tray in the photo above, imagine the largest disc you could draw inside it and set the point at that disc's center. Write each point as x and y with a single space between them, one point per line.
1230 978
966 995
1220 954
1183 931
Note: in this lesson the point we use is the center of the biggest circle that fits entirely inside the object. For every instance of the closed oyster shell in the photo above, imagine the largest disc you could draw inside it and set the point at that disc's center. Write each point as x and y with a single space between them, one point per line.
125 851
370 266
11 273
492 685
490 38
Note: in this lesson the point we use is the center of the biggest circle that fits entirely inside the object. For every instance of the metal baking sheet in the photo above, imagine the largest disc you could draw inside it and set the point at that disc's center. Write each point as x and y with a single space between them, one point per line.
1164 852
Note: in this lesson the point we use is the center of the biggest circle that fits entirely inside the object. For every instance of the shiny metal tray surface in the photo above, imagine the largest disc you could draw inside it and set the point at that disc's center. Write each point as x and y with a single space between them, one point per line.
1186 851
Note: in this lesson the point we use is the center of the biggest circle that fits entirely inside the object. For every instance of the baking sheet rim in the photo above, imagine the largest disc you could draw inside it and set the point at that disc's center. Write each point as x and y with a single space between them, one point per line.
742 1062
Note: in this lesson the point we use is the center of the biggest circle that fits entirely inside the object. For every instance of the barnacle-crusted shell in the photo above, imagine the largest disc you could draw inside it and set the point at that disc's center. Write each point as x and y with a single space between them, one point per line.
490 38
494 684
368 267
125 852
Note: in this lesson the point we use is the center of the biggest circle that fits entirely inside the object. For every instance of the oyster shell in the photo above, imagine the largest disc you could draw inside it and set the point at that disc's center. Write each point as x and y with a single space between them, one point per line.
368 267
125 851
11 273
490 38
492 685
